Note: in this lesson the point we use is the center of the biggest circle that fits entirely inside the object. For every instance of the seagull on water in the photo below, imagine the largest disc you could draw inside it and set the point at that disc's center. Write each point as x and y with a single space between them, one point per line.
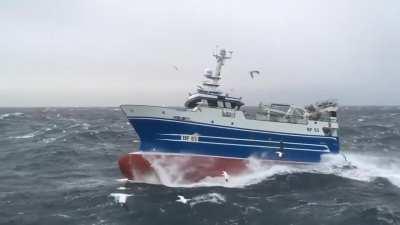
226 176
120 198
182 199
122 180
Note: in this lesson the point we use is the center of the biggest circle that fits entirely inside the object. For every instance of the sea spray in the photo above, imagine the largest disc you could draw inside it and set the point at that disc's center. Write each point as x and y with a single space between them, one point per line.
172 173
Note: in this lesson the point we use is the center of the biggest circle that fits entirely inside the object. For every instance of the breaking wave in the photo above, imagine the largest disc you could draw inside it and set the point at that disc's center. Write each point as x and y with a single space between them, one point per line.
9 115
354 166
32 134
364 167
209 198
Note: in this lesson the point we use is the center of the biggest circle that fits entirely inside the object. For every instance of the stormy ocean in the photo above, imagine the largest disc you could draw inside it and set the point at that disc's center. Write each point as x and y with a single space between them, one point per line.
59 166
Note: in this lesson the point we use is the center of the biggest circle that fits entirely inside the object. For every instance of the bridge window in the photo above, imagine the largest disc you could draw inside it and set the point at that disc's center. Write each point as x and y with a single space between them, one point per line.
212 103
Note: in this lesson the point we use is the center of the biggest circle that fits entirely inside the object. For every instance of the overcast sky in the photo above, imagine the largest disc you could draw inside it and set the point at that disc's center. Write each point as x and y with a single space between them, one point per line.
111 52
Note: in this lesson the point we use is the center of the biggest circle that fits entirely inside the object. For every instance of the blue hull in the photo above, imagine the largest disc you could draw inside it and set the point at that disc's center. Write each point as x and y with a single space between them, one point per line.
165 136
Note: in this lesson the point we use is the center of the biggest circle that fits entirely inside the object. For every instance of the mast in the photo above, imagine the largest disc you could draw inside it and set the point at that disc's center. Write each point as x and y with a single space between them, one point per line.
214 78
220 61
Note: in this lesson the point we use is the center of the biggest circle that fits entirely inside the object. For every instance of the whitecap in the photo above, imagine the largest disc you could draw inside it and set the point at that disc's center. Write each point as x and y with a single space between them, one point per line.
32 134
364 167
85 126
62 215
49 140
6 115
214 198
29 135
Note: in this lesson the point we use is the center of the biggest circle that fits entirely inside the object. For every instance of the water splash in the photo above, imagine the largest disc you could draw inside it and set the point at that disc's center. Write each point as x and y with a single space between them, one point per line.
364 167
358 167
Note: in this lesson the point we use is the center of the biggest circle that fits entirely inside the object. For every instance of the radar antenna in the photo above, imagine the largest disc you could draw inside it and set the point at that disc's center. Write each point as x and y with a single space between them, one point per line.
221 57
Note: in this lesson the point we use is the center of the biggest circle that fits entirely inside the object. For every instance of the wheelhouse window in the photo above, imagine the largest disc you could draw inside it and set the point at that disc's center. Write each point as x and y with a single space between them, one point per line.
194 103
212 103
234 105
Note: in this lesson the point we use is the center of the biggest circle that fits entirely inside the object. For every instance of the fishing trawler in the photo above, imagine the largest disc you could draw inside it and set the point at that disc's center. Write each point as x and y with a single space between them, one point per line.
212 134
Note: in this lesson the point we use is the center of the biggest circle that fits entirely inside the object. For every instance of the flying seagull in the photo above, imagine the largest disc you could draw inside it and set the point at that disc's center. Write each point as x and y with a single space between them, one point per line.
175 67
182 199
253 73
226 176
279 154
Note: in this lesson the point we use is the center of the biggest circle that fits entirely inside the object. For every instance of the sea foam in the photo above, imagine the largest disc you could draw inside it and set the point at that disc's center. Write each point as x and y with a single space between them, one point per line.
352 166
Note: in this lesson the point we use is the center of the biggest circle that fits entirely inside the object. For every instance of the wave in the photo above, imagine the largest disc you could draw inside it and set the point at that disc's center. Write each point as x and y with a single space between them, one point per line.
375 128
366 168
392 139
347 131
33 134
7 115
29 135
96 135
215 198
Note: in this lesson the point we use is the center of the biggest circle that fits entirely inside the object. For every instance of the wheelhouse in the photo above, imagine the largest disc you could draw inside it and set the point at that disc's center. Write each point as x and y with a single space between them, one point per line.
213 101
208 94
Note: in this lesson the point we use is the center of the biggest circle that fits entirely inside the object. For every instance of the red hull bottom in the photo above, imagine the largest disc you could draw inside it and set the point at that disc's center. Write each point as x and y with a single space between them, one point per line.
140 167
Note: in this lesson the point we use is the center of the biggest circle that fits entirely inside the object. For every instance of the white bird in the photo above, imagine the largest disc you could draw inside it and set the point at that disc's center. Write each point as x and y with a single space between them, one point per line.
253 72
226 176
279 154
182 199
123 180
120 198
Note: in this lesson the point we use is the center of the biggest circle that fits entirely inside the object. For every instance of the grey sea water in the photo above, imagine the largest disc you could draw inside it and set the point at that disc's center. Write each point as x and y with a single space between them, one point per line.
59 166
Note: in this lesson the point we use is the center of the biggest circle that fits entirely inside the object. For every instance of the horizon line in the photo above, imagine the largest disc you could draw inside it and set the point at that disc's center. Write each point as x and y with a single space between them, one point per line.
118 106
